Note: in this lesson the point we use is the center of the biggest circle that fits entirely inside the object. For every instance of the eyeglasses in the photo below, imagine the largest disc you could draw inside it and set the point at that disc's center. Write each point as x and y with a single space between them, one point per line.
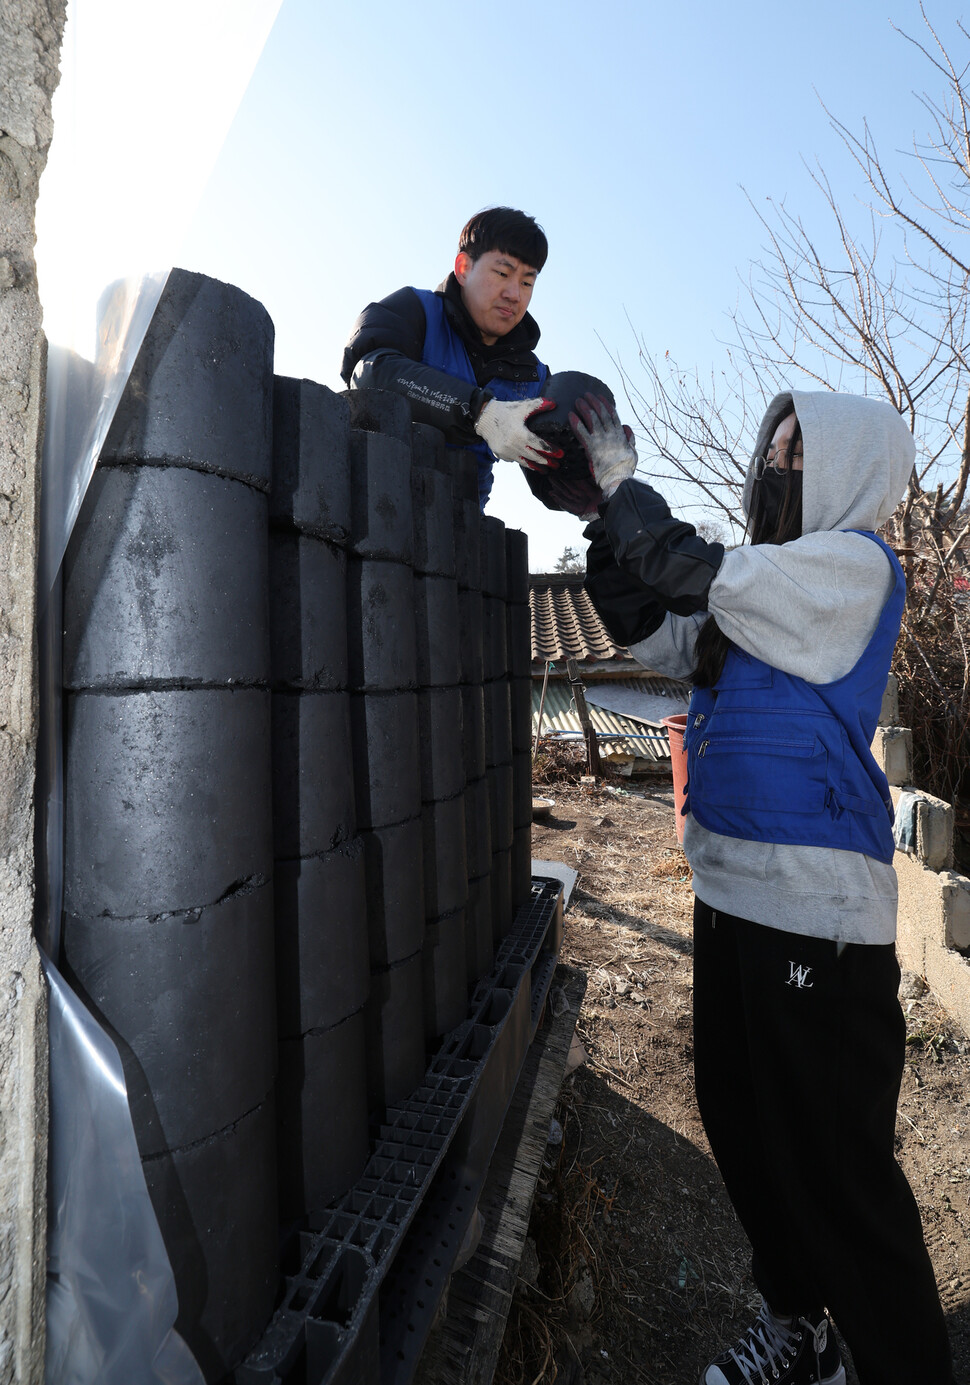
777 459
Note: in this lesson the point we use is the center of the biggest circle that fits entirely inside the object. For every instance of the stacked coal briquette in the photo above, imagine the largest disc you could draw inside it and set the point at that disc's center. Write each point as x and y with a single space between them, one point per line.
519 645
498 721
323 977
292 645
471 659
168 929
384 728
446 963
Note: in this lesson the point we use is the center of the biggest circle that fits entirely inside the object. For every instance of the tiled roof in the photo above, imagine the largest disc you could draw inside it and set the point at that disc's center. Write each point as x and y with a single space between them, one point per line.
565 624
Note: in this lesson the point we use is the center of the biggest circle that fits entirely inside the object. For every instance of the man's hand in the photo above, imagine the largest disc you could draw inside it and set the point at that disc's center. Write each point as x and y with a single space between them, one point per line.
502 424
608 443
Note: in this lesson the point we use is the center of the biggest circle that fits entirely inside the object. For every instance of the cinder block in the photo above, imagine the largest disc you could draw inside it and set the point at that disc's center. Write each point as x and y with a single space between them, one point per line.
955 889
934 832
933 844
889 711
920 940
893 748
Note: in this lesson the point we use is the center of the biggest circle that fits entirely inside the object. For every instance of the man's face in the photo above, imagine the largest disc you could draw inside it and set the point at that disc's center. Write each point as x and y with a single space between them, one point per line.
496 289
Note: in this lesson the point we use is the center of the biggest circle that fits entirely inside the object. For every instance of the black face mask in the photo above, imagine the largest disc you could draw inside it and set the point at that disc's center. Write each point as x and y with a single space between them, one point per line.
774 489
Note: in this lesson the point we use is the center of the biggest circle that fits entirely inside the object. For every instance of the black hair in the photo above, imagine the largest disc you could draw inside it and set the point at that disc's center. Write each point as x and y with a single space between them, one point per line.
504 229
764 526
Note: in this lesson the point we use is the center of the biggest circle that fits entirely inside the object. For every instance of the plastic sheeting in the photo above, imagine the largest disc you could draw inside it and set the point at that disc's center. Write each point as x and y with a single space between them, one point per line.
905 827
148 92
111 1301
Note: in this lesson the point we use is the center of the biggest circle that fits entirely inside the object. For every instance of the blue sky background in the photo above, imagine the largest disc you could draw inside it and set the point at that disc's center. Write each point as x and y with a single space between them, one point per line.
370 133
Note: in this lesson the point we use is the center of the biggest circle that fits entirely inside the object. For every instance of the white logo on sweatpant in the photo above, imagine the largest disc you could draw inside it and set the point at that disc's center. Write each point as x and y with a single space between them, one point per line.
799 977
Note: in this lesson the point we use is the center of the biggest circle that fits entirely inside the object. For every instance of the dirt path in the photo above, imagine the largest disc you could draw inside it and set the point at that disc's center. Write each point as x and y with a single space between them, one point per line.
636 1268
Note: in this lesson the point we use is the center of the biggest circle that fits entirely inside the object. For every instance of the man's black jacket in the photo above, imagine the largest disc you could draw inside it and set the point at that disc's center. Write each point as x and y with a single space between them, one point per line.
387 342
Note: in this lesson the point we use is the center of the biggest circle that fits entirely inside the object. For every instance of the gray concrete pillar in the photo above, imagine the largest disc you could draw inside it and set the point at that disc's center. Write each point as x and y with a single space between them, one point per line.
30 37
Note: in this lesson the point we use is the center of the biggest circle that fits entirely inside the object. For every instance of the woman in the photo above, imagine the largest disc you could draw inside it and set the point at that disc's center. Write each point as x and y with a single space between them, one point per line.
798 1034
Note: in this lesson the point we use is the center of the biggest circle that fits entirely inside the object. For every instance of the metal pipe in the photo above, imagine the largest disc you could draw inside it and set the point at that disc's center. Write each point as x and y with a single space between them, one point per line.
542 703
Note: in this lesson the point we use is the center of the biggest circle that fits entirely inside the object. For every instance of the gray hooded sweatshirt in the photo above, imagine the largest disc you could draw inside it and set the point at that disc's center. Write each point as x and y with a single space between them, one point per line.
809 608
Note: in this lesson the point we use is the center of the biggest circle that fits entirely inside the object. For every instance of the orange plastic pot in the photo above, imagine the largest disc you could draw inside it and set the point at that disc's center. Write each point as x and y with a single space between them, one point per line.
676 726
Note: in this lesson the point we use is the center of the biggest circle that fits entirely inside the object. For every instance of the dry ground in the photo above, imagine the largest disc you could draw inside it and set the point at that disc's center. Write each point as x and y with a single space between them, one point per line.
636 1269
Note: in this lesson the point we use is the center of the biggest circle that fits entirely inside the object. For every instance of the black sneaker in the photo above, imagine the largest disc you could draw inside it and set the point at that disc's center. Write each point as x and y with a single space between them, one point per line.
780 1351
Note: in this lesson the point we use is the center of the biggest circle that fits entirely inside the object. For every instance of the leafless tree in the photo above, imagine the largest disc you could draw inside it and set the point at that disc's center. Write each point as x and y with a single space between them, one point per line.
570 560
876 304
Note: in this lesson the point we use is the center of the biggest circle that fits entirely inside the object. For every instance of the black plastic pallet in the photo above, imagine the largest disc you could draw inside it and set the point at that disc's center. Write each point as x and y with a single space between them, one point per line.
360 1293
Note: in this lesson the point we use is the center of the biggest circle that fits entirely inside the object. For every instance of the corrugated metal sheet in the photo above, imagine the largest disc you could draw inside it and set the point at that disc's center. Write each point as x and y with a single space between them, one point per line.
616 734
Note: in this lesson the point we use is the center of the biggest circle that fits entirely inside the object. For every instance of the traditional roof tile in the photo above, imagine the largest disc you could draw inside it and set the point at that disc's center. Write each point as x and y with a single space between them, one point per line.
565 624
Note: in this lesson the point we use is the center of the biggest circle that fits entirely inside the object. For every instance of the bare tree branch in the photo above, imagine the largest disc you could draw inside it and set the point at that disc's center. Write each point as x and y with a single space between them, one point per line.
875 304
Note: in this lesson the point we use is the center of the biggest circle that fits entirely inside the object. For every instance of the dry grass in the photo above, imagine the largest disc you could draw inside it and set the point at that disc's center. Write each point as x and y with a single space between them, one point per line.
637 1270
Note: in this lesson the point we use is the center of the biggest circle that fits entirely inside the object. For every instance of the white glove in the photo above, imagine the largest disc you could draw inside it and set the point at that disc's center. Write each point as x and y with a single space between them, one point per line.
502 423
608 443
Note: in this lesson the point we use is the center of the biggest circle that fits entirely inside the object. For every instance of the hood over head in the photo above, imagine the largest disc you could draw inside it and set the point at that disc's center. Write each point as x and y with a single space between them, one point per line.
859 456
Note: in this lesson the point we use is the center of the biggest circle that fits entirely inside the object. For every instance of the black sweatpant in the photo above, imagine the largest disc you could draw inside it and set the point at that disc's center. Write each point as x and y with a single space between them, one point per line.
798 1055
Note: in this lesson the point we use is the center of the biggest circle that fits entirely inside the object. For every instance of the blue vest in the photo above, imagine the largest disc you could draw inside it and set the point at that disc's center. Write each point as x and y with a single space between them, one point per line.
445 350
773 758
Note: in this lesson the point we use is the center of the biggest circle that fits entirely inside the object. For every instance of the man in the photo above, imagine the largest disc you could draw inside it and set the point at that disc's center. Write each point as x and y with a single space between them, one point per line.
464 356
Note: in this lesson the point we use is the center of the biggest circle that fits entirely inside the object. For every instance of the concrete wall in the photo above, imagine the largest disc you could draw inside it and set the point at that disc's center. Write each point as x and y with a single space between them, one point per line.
30 36
934 900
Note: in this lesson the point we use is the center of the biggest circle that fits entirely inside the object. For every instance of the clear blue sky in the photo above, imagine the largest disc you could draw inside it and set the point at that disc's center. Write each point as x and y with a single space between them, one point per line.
371 132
